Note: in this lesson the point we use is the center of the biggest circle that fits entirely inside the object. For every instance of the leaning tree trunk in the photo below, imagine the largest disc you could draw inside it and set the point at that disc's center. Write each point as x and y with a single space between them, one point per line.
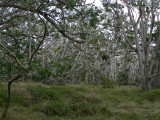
9 94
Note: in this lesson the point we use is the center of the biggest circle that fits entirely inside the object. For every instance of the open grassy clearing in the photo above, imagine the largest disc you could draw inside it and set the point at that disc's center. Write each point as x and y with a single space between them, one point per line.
35 101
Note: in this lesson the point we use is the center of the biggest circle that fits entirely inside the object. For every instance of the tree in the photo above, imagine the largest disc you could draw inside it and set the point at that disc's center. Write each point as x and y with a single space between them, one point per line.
23 67
24 21
143 30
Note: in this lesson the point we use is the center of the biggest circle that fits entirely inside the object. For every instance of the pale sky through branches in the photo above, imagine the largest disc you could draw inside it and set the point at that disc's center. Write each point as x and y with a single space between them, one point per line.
97 2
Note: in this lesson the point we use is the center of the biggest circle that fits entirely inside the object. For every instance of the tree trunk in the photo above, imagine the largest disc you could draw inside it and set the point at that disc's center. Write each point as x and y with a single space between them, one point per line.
8 101
141 65
9 94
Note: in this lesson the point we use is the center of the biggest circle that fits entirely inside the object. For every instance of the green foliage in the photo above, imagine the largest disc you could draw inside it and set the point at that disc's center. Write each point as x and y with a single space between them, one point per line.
106 82
104 56
40 73
36 64
62 65
83 36
6 67
94 41
122 78
93 13
54 69
44 73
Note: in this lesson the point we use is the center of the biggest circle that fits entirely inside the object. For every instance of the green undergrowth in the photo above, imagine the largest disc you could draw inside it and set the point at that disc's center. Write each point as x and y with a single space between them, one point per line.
36 101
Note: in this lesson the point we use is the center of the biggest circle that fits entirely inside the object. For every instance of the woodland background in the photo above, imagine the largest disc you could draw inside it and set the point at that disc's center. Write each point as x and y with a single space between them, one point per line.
70 42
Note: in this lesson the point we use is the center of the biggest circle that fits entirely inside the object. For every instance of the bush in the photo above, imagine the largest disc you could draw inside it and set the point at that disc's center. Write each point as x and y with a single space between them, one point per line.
122 78
106 82
44 73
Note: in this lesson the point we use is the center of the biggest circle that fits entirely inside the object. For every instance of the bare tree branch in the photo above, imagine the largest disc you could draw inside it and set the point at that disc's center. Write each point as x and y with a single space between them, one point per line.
153 76
9 20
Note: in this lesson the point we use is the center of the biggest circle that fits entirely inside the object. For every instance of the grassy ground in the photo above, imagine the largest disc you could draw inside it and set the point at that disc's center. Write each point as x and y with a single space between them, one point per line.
35 101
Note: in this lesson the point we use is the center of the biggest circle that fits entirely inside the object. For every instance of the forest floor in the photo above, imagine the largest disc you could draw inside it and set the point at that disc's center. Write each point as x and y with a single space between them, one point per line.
36 101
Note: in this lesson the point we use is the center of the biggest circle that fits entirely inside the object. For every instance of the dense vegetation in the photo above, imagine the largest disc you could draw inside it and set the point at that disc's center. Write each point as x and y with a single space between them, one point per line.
37 101
60 42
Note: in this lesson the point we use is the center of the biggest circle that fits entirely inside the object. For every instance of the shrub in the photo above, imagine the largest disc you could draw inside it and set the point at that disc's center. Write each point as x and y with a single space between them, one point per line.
106 82
44 73
122 78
